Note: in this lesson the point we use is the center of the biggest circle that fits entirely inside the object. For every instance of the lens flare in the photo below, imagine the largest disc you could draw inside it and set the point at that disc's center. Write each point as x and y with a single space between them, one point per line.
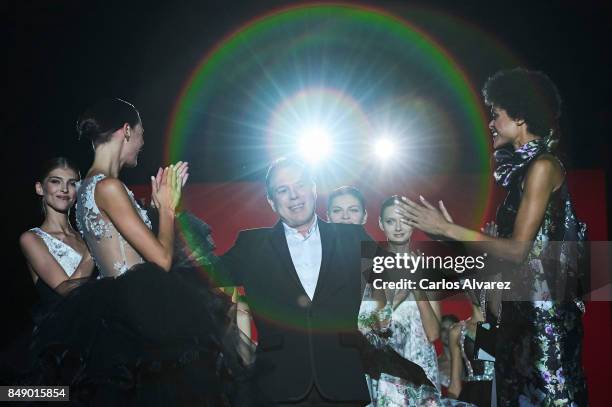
384 148
348 69
315 144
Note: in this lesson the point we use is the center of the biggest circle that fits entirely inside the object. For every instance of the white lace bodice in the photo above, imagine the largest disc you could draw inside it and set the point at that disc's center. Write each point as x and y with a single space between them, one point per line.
111 252
65 255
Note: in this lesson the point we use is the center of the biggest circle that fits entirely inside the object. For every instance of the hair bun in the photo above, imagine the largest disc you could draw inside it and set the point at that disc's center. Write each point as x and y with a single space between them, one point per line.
88 128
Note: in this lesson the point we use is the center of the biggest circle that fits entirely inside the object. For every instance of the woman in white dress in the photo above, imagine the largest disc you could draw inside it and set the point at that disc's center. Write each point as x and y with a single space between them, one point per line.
54 251
406 321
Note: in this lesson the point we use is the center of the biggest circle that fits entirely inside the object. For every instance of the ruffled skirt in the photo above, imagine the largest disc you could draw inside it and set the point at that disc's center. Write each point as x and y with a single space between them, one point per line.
145 338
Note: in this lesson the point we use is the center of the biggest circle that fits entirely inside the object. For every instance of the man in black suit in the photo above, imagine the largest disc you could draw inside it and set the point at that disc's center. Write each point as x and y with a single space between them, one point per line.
303 284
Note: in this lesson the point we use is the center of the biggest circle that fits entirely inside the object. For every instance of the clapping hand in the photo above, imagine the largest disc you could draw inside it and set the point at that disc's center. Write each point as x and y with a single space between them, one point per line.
167 185
424 216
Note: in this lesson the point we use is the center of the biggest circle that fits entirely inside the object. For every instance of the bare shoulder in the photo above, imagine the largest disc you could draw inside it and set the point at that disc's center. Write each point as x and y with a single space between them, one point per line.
547 169
546 163
110 186
31 244
111 191
28 238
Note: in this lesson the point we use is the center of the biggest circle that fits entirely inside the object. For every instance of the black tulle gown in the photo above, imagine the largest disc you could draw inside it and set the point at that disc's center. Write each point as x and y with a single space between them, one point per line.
142 336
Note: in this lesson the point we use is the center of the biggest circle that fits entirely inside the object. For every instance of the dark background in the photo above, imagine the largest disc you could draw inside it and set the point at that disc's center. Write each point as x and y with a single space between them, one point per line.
69 53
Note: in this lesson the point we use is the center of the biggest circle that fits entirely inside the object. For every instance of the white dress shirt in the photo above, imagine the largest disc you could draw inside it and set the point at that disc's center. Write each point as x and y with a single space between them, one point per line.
306 255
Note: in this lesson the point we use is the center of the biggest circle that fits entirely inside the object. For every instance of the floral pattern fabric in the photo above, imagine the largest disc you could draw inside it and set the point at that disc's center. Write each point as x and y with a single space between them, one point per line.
112 254
540 338
406 336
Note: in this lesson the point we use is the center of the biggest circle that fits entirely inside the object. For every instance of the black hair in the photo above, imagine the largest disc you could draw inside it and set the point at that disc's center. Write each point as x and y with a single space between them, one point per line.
101 120
284 162
387 203
53 163
346 190
525 95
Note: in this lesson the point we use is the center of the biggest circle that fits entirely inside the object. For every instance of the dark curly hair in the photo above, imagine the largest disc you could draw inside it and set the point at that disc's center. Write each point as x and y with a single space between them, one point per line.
525 95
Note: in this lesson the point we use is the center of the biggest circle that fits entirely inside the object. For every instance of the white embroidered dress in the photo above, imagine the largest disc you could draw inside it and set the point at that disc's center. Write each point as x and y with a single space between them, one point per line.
64 254
111 252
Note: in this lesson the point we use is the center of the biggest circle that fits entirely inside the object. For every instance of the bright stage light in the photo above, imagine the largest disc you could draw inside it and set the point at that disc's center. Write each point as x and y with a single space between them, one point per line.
314 144
384 148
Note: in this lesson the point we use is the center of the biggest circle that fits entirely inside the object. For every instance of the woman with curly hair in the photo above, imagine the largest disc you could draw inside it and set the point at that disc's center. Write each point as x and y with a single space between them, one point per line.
538 355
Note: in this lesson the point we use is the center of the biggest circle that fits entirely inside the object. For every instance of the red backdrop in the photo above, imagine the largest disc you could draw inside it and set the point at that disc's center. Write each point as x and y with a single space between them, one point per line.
230 207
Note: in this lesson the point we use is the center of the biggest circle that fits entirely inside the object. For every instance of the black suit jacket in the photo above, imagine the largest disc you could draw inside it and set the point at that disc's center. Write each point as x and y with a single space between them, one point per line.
303 342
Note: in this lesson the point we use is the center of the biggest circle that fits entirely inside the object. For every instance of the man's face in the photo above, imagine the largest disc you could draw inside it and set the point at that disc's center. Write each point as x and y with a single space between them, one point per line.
293 196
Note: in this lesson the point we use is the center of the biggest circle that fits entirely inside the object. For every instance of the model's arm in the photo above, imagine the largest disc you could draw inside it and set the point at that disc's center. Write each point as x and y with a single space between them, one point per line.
44 264
542 178
85 267
454 389
430 315
112 198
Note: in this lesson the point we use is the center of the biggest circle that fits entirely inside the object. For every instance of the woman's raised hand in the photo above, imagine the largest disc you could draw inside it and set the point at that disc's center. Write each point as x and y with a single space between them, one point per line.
423 216
167 185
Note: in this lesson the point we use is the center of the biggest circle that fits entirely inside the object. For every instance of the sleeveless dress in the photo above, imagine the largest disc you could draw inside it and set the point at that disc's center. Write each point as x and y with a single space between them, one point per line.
15 360
478 374
138 335
538 355
405 336
68 258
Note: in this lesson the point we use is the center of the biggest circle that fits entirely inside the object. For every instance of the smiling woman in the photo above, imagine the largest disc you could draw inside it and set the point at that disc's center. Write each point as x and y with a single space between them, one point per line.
54 251
346 205
174 339
539 348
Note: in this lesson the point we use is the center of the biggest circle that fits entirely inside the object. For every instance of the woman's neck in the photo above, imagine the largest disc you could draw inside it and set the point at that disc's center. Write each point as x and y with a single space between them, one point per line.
399 248
524 139
56 222
106 162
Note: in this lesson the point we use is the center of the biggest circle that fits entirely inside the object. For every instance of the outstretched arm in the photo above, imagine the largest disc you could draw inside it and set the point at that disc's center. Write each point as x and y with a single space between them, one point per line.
543 177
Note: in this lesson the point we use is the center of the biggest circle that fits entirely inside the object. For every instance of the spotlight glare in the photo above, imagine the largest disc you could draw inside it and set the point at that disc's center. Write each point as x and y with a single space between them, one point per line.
384 148
314 144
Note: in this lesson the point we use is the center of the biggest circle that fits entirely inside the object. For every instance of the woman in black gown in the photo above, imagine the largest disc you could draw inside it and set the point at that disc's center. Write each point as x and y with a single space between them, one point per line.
538 356
142 334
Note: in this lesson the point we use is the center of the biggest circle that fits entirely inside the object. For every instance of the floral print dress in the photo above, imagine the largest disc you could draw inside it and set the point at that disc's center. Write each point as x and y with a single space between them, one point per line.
406 336
540 338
